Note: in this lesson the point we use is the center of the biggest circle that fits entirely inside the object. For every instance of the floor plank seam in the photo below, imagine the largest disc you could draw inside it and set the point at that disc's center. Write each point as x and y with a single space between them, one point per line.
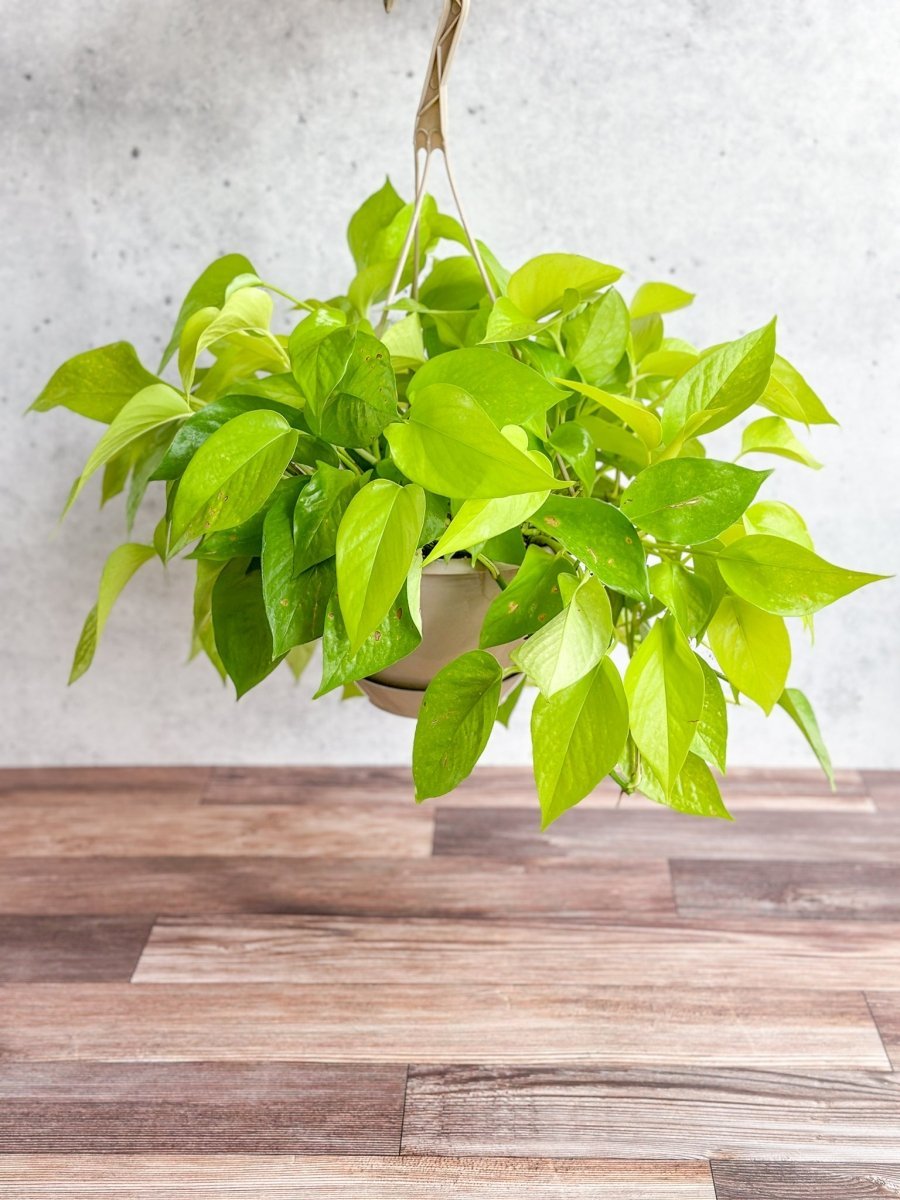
887 1053
403 1111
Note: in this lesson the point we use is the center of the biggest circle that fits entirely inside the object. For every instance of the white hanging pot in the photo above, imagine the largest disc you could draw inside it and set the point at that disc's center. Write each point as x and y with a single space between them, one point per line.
455 600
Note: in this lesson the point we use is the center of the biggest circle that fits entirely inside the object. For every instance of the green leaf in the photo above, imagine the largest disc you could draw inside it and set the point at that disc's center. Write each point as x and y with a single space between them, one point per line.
245 541
506 323
687 500
711 739
695 791
96 384
450 446
664 684
373 215
722 385
509 705
454 284
479 520
364 401
455 722
644 422
575 445
319 512
753 649
577 738
789 395
539 287
202 634
799 709
601 537
531 600
201 425
659 298
248 310
231 475
773 435
616 444
295 604
396 636
781 577
597 338
307 336
298 659
118 569
376 542
779 519
687 597
243 637
150 409
404 342
572 643
510 392
207 291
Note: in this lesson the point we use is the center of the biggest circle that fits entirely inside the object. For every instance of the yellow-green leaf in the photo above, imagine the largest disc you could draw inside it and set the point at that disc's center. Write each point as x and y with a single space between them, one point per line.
664 684
644 422
118 569
753 649
539 287
577 737
376 542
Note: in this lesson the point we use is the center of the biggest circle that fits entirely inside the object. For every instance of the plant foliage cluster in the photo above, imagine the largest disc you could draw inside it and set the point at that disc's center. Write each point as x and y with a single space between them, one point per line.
309 476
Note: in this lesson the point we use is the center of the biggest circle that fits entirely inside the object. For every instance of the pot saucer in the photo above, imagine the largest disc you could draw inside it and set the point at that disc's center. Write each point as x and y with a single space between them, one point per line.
406 702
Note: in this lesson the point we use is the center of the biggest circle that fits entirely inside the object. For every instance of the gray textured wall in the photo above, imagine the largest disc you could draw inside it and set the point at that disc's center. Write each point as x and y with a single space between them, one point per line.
748 151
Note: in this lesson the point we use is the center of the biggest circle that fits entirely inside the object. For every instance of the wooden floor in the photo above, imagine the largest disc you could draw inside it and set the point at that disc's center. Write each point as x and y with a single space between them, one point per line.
293 982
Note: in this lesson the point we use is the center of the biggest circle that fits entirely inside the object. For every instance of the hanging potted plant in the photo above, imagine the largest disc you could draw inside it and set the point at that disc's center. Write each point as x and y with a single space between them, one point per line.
460 480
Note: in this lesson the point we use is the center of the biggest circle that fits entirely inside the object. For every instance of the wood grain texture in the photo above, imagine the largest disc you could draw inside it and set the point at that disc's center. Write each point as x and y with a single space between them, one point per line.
172 829
885 1009
636 1114
492 787
655 953
264 1177
844 891
400 887
591 835
95 785
779 1029
201 1107
57 949
884 789
799 1181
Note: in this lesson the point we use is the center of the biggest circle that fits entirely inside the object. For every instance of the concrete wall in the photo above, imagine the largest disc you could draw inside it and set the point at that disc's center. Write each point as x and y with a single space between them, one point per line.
748 152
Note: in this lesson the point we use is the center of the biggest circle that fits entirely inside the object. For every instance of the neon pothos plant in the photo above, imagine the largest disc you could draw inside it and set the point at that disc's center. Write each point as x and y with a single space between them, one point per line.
309 475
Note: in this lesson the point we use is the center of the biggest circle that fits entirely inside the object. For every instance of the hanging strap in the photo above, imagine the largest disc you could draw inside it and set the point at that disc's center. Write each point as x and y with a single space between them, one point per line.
430 134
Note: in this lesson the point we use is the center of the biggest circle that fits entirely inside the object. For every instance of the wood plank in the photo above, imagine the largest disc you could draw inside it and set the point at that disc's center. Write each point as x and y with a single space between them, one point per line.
844 891
577 1111
884 789
113 785
653 953
885 1009
267 1177
193 1107
353 887
809 781
804 1181
172 829
491 786
504 787
591 835
55 949
780 1029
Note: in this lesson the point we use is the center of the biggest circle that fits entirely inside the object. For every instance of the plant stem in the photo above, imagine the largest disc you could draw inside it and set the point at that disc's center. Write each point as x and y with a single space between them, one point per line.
347 460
